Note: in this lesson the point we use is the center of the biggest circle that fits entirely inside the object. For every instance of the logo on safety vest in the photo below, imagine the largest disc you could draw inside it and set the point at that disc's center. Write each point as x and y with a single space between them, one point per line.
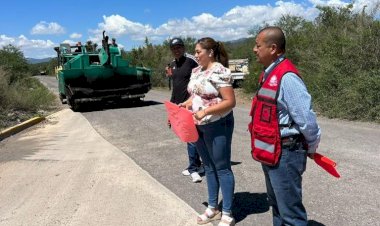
273 81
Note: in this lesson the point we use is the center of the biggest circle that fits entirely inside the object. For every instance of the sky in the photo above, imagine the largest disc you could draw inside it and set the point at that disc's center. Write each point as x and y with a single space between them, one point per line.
37 26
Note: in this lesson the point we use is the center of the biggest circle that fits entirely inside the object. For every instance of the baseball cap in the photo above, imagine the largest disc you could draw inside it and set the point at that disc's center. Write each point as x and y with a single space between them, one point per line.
176 41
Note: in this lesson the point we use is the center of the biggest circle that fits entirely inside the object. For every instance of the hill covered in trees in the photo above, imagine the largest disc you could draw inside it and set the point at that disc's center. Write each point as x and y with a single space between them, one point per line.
37 61
337 55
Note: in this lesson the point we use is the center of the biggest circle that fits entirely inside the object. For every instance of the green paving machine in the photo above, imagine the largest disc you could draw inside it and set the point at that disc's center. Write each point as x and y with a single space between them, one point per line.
87 74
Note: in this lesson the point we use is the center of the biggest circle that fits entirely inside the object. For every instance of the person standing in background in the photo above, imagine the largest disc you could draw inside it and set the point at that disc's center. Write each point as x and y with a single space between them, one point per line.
113 42
284 129
212 100
79 47
179 70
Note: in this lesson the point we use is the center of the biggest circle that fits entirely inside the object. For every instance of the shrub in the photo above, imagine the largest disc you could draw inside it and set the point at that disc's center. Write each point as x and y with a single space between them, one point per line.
21 96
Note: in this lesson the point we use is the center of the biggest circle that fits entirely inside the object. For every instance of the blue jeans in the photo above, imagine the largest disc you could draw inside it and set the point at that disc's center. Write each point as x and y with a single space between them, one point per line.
194 161
284 187
214 147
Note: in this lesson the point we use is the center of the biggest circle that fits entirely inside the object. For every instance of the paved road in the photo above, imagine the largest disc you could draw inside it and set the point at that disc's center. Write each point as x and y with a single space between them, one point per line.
351 200
50 82
354 199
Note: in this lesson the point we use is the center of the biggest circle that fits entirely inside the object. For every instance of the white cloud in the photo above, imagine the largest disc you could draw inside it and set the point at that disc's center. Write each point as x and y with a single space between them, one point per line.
234 24
333 3
31 47
23 42
47 28
5 40
117 25
69 41
76 36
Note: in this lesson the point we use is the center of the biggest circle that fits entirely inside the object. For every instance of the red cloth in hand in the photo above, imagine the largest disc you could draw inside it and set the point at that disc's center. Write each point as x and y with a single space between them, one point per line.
327 164
182 122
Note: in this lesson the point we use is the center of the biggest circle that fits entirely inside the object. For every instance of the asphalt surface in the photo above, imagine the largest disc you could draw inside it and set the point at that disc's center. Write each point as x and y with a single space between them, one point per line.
140 131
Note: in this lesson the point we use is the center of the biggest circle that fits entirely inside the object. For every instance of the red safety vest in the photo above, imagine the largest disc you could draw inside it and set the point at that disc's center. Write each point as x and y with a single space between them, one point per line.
264 127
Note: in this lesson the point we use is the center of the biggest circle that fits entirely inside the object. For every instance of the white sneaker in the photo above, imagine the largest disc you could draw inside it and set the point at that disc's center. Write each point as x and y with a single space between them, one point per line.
196 178
186 172
201 170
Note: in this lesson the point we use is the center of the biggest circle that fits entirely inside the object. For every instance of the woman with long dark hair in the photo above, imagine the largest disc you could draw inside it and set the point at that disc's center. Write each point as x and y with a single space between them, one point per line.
212 99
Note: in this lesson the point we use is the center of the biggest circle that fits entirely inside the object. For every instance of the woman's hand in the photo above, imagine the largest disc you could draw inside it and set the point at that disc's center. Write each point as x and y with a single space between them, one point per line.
187 104
199 115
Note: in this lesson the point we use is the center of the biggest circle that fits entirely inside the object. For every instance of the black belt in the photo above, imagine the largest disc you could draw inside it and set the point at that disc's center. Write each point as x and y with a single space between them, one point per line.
291 140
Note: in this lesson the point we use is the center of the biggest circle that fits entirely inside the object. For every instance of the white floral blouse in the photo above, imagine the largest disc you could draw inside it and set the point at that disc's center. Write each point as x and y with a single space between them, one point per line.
204 89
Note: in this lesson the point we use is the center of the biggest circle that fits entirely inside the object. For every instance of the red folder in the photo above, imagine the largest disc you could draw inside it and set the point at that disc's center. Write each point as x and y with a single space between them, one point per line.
327 164
182 122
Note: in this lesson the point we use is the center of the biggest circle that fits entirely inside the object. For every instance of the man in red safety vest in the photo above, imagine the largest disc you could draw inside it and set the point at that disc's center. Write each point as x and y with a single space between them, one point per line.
284 130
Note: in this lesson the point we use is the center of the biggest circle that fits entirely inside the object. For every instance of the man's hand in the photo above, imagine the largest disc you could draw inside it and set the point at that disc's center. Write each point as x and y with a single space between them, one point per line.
168 71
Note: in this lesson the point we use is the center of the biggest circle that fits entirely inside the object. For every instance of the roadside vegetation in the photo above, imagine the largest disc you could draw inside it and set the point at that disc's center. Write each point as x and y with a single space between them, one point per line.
337 55
21 96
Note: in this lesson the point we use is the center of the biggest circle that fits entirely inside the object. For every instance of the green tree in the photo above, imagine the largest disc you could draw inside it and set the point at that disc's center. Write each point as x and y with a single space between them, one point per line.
13 61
